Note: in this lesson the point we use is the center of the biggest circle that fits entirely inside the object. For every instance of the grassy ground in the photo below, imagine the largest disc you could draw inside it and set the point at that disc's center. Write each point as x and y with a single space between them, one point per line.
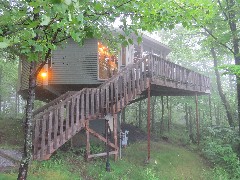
11 132
167 162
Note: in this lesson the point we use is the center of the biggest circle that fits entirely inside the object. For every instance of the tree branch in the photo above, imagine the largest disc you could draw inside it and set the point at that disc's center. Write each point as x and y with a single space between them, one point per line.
225 14
47 55
208 31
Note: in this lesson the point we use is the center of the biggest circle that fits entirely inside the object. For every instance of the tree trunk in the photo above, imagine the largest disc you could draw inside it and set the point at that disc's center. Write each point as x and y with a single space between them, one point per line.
136 114
216 114
1 70
162 121
168 111
235 41
210 108
186 117
16 103
191 125
220 90
27 152
153 112
140 114
123 115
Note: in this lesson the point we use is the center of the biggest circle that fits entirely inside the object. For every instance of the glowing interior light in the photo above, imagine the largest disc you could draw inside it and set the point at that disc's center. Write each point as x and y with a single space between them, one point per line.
44 74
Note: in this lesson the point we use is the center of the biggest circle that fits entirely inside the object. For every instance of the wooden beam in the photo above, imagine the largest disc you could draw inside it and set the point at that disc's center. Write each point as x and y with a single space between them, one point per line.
102 154
94 133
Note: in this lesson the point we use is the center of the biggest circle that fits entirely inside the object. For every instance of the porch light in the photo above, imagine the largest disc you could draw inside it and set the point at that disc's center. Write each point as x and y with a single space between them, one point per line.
44 74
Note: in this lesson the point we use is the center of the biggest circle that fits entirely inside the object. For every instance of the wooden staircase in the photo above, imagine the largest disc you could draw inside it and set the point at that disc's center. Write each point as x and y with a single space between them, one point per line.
61 119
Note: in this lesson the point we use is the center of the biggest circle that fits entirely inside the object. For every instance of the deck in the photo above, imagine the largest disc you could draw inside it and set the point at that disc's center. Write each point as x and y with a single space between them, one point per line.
61 119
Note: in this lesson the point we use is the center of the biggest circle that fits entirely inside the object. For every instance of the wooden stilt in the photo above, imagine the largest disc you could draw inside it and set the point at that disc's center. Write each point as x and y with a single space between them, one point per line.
149 120
115 125
87 141
197 120
168 115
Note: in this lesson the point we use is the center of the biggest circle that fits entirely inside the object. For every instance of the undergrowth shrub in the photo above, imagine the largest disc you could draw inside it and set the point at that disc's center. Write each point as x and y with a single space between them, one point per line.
217 147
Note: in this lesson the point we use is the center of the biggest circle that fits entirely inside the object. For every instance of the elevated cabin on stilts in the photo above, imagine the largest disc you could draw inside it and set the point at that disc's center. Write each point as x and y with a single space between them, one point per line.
84 85
73 67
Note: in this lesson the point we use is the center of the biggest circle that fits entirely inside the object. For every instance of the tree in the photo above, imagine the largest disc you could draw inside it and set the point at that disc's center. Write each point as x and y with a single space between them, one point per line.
8 81
220 20
32 29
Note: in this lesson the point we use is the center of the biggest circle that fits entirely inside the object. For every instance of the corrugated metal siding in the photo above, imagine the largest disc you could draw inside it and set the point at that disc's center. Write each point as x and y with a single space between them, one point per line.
74 64
25 67
23 76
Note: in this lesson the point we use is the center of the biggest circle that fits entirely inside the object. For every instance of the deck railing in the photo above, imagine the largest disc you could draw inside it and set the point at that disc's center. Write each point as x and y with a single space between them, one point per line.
169 74
67 115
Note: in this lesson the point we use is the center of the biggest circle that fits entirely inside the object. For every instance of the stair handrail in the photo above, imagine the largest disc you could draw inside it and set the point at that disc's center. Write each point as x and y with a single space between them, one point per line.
53 102
129 66
62 102
63 97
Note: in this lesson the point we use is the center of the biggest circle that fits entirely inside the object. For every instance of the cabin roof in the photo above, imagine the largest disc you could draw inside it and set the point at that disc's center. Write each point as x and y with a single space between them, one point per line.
155 43
147 40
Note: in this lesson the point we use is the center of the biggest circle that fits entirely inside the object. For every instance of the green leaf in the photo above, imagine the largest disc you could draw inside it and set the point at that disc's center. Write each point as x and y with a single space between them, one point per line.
125 43
130 41
68 2
98 7
45 20
4 45
139 39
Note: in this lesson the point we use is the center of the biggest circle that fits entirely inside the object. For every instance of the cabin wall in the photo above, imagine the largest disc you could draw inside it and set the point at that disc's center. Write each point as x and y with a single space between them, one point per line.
23 75
75 64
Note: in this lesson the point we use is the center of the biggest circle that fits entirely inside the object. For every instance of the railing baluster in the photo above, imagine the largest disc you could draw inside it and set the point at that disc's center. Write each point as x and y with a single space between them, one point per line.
137 79
141 78
72 116
92 102
133 82
107 99
112 95
77 112
145 85
43 136
36 137
67 135
61 123
55 142
125 96
97 102
49 132
87 104
82 109
116 95
120 81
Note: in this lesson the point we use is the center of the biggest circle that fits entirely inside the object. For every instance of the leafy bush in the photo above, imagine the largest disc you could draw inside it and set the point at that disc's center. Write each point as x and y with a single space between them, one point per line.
218 149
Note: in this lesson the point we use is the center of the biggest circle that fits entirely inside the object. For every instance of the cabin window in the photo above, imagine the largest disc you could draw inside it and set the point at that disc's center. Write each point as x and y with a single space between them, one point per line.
107 62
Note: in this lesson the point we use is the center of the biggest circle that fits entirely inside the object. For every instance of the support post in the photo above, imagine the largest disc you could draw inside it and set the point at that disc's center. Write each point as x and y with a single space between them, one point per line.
149 119
115 125
197 119
107 145
168 115
87 140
